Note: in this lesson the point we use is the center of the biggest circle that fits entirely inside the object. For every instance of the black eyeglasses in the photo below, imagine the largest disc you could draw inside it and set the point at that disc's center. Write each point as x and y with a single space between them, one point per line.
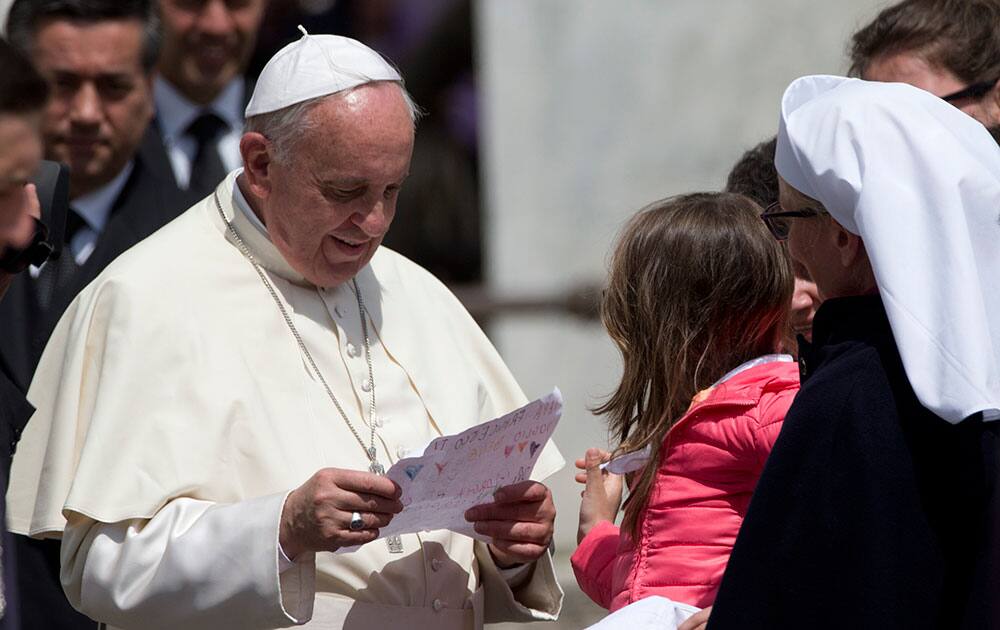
776 219
975 91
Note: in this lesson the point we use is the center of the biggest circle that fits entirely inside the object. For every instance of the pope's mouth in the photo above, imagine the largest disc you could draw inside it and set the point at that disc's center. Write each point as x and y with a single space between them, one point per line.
348 246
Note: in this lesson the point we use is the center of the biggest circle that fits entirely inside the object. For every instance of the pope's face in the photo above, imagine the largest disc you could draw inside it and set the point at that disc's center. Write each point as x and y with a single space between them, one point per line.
207 43
101 100
329 207
910 67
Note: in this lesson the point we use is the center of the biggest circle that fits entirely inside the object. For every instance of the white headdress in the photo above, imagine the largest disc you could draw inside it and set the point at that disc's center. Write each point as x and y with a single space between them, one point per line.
314 66
919 182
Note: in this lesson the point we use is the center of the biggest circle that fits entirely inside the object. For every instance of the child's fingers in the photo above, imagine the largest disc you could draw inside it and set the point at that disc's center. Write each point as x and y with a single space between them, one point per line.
581 477
594 475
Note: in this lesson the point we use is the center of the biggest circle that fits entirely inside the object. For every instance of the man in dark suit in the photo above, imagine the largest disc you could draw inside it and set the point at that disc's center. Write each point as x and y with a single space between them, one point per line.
201 92
99 57
23 94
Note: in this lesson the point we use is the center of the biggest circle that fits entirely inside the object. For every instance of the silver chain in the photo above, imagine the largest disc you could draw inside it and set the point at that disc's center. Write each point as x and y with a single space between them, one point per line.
370 450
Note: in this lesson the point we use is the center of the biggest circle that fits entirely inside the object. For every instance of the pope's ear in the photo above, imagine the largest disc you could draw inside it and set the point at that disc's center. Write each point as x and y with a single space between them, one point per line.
256 151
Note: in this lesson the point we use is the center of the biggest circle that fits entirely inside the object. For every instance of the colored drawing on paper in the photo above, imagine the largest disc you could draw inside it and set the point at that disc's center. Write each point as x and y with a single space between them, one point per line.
471 466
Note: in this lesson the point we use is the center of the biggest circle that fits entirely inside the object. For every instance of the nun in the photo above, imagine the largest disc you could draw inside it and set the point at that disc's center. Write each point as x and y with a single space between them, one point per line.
878 505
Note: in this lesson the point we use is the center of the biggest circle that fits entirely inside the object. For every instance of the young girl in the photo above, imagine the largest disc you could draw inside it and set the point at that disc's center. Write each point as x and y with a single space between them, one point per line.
697 303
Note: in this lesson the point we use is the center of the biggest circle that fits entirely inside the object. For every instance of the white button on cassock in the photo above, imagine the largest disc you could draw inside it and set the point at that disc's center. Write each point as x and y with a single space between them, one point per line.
435 565
366 385
437 605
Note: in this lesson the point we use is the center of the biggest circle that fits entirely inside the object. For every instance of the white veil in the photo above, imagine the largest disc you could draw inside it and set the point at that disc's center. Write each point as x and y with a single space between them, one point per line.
919 182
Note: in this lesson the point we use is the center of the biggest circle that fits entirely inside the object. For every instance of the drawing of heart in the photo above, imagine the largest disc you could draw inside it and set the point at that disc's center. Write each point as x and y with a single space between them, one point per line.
534 447
412 470
520 446
507 450
440 467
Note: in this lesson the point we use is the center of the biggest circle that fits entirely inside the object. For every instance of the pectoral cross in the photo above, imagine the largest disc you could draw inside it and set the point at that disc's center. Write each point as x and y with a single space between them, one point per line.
395 543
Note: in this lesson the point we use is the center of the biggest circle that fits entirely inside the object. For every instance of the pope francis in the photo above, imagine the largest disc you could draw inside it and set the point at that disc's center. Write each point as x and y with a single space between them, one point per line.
208 429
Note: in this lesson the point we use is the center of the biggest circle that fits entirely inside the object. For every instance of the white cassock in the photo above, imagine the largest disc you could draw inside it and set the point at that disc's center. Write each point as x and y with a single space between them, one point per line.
175 413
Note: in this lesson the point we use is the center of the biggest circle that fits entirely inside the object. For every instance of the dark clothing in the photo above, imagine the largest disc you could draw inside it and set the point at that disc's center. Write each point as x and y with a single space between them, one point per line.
871 512
14 413
149 200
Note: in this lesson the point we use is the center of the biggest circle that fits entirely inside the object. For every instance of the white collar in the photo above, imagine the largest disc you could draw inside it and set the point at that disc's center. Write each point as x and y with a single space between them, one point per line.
175 113
241 203
95 207
254 234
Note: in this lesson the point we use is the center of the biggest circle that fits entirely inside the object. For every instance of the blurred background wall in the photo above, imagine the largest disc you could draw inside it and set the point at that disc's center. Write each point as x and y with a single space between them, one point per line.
589 109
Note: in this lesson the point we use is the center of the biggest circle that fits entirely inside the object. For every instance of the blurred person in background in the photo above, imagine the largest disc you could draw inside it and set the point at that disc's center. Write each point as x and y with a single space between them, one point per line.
201 90
23 95
754 175
99 59
951 48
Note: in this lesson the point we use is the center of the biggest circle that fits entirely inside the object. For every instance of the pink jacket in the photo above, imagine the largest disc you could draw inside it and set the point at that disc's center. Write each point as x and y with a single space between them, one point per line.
713 458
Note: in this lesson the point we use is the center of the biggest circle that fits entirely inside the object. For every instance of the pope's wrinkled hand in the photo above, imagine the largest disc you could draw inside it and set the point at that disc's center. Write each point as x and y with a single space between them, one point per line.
317 515
520 522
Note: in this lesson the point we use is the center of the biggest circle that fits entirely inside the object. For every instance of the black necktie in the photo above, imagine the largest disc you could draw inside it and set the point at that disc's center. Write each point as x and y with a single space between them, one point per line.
207 169
55 273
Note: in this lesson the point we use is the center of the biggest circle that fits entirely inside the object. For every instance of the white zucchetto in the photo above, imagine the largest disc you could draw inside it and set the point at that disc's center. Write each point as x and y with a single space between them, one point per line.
314 66
919 181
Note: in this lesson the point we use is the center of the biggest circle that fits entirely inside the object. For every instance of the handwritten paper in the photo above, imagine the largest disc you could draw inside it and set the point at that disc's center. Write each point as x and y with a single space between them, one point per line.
456 472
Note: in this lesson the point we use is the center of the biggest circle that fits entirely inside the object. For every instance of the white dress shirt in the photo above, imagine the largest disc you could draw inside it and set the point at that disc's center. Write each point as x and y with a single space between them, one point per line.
175 113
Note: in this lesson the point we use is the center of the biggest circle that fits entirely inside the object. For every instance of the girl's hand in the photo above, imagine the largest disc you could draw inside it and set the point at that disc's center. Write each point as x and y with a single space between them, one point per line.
602 494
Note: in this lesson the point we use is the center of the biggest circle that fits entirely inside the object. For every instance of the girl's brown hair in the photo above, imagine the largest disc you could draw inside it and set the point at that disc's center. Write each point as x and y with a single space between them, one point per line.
697 287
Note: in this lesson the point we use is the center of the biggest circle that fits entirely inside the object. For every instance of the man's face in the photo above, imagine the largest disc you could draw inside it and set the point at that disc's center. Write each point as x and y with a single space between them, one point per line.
101 96
20 154
206 43
910 67
329 207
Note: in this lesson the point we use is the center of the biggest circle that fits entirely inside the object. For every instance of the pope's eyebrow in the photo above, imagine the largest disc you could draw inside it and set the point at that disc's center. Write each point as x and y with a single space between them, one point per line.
348 183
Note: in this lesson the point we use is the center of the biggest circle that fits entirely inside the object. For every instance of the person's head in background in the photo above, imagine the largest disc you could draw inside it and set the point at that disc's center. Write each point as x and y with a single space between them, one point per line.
951 48
99 58
23 94
697 287
754 176
207 44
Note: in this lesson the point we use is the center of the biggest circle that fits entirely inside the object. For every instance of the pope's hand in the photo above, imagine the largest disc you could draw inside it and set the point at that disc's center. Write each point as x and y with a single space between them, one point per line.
520 521
317 514
602 494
